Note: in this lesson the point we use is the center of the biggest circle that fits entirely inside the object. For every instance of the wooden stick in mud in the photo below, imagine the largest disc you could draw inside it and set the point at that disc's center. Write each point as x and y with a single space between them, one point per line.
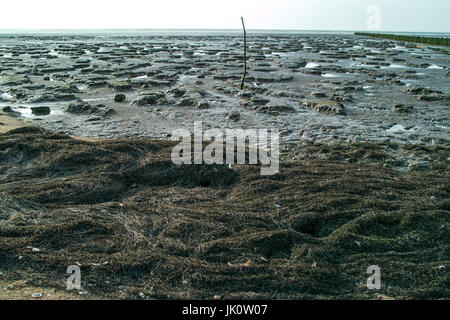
245 54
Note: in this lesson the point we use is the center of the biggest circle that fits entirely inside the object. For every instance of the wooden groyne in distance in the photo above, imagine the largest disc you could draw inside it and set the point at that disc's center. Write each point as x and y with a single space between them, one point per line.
416 39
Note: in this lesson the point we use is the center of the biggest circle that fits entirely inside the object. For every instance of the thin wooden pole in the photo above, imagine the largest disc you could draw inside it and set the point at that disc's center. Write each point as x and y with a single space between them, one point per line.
245 54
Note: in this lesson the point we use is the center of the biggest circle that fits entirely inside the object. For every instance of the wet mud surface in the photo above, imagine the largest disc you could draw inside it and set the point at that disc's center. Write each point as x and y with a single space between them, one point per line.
312 87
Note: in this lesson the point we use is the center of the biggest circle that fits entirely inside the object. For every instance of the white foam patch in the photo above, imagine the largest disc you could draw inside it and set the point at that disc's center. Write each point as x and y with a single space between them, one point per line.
398 128
6 96
311 65
393 65
435 66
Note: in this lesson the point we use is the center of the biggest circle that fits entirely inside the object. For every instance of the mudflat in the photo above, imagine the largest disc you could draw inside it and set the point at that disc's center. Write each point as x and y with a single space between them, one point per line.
87 178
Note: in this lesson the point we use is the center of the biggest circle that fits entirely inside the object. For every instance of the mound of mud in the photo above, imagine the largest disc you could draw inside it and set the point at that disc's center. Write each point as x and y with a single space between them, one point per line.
137 223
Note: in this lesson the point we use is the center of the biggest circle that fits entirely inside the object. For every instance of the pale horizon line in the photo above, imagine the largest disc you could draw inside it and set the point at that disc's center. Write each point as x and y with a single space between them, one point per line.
216 29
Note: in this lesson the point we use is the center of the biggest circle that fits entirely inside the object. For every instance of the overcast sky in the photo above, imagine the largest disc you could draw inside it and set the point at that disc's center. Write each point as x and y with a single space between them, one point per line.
394 15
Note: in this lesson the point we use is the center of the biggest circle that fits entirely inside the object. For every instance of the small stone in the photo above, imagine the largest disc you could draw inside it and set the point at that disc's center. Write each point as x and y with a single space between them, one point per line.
119 97
40 111
7 109
36 295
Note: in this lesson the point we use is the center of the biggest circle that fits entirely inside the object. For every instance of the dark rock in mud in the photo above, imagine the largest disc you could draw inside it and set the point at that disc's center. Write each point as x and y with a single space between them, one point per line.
7 109
40 111
119 97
